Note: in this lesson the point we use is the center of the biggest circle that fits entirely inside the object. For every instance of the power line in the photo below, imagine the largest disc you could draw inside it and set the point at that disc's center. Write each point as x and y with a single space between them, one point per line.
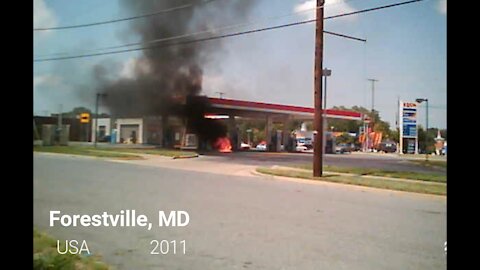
170 38
226 35
123 19
177 43
198 33
344 36
138 17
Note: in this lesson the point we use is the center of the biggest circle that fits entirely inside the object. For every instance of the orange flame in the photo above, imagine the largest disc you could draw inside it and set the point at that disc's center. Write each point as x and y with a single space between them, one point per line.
223 145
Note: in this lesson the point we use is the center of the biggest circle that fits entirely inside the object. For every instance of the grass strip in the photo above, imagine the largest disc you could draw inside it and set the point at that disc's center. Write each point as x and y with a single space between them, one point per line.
430 177
400 185
431 163
114 152
85 151
158 151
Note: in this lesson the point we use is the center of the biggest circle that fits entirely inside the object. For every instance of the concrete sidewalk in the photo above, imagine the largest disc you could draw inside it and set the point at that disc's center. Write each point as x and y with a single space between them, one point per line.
198 164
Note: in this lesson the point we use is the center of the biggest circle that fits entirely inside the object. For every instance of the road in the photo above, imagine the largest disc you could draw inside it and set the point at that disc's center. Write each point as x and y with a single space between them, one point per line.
361 160
240 222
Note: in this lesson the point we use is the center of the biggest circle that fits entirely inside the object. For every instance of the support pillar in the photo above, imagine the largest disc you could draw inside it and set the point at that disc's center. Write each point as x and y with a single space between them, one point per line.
233 133
268 132
285 133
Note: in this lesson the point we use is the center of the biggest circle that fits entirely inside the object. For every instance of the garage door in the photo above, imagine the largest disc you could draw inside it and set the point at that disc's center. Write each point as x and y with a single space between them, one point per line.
126 132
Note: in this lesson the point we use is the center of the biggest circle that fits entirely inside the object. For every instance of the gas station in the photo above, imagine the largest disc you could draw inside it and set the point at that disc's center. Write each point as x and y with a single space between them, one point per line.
272 113
171 131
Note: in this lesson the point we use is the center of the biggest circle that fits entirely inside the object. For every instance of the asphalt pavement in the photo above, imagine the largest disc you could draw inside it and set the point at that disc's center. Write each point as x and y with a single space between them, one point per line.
391 162
239 221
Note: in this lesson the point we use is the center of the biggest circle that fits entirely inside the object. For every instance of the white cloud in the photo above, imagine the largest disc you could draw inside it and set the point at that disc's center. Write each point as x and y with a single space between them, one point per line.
46 80
47 89
307 5
442 6
332 7
43 17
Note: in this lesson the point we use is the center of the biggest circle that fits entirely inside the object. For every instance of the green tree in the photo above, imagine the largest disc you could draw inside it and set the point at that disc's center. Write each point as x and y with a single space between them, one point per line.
395 135
384 128
256 126
430 136
353 126
345 138
443 133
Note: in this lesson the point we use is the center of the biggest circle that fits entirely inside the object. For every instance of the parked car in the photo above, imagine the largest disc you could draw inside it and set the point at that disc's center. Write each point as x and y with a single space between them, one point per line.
104 138
261 147
301 148
307 142
245 146
356 147
343 148
387 147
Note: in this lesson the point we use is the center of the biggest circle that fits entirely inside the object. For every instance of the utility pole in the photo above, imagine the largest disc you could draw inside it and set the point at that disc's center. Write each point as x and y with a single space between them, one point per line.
96 117
372 121
397 115
318 117
37 136
326 72
420 100
60 117
373 94
397 126
59 124
426 133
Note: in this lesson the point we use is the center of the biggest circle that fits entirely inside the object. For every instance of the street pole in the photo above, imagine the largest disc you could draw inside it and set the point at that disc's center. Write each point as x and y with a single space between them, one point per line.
318 118
60 117
420 100
324 136
426 133
373 108
365 141
96 119
373 93
59 124
326 72
397 123
86 132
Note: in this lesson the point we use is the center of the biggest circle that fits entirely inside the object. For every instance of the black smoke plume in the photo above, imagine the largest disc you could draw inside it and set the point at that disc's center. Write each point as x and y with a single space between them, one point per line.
166 80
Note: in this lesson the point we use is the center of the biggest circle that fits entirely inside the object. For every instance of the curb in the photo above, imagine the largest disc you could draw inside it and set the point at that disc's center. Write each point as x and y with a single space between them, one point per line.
320 182
184 157
367 176
135 156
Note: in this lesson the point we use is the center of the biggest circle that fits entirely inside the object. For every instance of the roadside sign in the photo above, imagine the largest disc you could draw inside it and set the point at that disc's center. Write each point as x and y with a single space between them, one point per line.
408 126
85 118
408 119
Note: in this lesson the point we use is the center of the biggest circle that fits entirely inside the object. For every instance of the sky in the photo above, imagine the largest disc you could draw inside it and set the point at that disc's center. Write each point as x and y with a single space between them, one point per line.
405 51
